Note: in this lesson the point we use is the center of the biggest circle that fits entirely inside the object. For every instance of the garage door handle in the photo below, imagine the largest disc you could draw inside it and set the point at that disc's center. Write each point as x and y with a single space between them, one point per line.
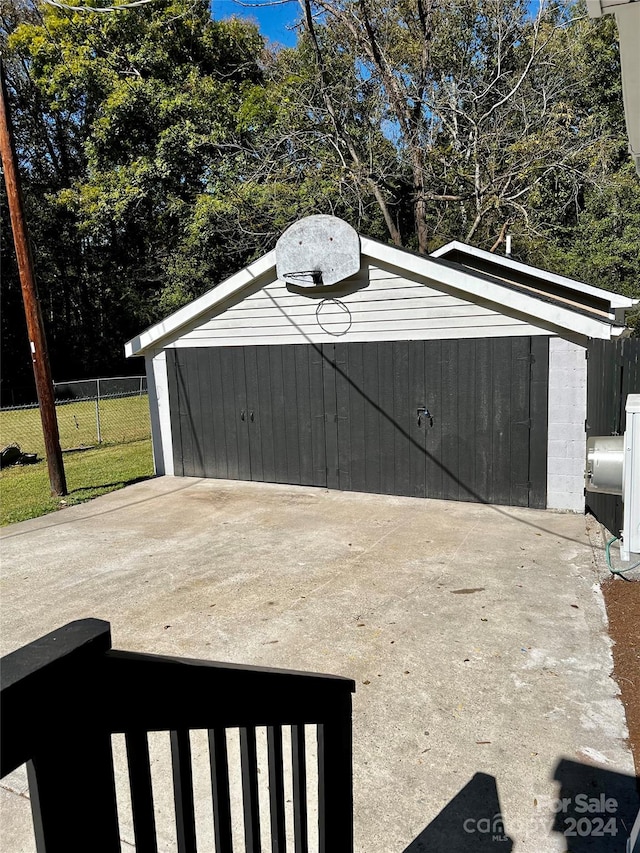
251 416
242 414
423 412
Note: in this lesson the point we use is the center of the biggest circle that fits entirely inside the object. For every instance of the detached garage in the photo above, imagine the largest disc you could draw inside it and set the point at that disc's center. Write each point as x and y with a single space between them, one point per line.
342 362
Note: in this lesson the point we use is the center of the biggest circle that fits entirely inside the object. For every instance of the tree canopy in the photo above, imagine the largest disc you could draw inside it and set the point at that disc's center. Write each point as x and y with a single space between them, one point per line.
162 150
122 121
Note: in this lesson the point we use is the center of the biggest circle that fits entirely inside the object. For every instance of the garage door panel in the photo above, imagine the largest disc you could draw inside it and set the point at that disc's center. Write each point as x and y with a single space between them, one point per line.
384 413
346 416
216 454
346 408
197 407
317 416
351 410
191 422
278 419
341 423
183 422
293 427
329 391
174 412
300 357
448 454
433 432
254 424
370 384
207 432
417 431
401 420
520 422
483 419
501 449
234 404
264 416
467 388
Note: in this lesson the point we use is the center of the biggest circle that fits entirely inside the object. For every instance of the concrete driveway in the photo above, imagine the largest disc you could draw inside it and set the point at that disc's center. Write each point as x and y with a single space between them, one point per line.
476 635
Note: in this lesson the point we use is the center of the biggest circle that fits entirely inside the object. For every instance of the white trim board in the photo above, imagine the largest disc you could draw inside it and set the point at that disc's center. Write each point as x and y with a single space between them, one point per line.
159 407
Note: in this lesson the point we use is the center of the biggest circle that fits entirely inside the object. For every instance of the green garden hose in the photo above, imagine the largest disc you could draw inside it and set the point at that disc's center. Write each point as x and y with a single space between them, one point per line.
620 572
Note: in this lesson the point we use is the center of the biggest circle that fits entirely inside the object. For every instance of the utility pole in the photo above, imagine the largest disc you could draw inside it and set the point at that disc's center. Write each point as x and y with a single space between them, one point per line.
35 329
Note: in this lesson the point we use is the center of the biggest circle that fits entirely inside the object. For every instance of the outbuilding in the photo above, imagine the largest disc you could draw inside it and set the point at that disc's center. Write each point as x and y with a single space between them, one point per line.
342 362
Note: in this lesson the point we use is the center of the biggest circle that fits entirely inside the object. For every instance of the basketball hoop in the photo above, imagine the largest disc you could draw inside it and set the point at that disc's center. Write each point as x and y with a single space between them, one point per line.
318 251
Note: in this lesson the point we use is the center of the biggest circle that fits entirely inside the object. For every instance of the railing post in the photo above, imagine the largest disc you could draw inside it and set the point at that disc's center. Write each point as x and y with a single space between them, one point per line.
53 719
335 780
73 794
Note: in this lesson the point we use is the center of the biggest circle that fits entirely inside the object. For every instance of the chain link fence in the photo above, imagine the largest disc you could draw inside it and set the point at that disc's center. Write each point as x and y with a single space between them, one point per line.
90 412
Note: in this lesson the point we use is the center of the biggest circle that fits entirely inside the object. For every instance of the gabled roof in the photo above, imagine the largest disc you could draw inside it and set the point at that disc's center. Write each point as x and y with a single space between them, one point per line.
557 317
455 247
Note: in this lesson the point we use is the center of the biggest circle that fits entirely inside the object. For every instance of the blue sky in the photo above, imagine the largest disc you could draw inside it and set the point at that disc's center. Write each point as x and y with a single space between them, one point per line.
275 21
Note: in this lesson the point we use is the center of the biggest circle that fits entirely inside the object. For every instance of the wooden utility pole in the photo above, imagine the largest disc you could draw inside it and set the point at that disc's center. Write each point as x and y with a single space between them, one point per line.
35 328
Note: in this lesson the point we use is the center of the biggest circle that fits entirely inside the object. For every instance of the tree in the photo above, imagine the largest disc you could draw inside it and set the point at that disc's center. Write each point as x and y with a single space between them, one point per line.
123 120
482 102
588 227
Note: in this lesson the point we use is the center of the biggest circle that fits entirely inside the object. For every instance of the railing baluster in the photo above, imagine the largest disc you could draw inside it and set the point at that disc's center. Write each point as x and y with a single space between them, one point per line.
220 790
335 783
276 790
299 768
249 764
183 791
144 821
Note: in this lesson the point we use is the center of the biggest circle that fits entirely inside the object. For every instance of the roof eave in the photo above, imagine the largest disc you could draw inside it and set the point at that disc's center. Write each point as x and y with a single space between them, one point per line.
153 337
616 300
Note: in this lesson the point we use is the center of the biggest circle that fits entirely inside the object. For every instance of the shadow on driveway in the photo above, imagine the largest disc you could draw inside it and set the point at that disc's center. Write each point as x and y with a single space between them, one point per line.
594 813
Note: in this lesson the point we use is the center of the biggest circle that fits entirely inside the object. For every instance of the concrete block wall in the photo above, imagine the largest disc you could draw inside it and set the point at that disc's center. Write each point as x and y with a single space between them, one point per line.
567 414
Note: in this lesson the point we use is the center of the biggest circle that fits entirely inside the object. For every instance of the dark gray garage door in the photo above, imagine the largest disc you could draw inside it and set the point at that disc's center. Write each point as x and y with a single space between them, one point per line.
352 416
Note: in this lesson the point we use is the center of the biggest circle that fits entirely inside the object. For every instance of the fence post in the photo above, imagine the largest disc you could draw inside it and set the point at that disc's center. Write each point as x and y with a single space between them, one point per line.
98 411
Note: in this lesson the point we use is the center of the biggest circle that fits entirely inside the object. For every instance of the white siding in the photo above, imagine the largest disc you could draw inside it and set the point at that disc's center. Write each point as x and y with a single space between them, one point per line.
567 413
378 304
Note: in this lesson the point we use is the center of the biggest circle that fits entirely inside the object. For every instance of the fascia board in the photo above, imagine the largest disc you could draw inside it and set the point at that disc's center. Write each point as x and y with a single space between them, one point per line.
171 325
470 286
598 8
594 9
615 299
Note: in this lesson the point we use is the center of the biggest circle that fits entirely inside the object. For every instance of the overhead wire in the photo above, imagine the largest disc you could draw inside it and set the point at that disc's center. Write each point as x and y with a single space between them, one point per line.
121 7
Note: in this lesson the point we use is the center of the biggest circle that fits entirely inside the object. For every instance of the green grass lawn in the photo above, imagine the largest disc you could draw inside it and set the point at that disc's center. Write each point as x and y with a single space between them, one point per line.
121 420
25 490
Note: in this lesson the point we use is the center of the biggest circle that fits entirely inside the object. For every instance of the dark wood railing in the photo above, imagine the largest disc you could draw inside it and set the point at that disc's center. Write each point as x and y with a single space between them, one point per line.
66 694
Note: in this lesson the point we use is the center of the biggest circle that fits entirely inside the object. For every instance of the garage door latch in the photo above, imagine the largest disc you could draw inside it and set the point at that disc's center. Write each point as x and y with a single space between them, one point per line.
423 412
